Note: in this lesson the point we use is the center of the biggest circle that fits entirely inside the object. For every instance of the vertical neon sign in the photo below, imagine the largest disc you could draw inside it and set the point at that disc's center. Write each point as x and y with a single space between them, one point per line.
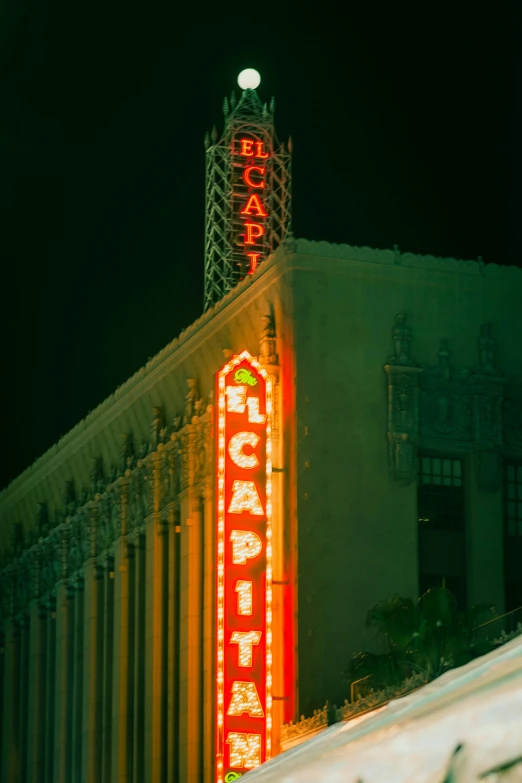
251 198
244 568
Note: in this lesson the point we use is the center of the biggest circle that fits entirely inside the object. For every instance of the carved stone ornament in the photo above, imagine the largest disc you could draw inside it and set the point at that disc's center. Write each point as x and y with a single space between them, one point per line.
446 401
42 520
184 459
156 426
126 452
65 536
34 557
267 340
97 475
190 400
107 518
50 572
403 421
201 452
402 452
486 346
445 413
132 488
401 334
488 402
69 497
403 405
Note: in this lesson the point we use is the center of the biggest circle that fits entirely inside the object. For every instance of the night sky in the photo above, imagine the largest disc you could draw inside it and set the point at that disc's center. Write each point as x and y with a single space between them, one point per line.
405 130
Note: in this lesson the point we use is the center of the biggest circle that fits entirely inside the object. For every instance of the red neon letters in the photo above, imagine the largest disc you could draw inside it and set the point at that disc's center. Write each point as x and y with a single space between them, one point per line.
244 568
254 207
251 202
247 149
248 178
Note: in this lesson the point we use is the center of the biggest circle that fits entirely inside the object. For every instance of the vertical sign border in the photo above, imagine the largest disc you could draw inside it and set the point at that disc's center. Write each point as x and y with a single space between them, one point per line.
220 542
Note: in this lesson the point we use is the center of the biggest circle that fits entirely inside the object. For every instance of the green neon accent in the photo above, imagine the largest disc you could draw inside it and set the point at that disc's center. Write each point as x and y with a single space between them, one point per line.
230 776
245 376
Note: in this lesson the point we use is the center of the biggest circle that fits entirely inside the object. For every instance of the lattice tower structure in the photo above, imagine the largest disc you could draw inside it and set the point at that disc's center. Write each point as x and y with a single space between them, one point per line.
227 193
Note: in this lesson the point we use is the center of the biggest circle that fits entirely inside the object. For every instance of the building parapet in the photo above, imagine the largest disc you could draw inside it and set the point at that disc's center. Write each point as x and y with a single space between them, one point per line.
412 260
326 716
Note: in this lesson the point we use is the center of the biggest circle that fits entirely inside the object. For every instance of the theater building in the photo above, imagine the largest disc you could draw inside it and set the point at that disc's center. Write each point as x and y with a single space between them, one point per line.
189 568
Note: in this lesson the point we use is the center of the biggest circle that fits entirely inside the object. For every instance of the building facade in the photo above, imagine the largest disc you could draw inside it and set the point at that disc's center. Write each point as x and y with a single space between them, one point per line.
386 455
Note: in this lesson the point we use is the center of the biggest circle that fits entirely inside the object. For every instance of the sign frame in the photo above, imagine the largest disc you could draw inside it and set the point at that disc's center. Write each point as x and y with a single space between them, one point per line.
240 504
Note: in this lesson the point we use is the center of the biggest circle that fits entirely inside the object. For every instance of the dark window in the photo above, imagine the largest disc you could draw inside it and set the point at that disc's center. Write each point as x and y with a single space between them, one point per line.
442 530
513 504
440 493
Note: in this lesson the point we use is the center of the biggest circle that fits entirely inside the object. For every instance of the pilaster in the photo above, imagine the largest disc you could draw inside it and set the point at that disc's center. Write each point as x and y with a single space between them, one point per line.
140 588
173 645
156 639
63 684
403 421
191 628
78 615
122 705
51 691
10 739
108 665
92 674
37 693
24 696
208 631
485 541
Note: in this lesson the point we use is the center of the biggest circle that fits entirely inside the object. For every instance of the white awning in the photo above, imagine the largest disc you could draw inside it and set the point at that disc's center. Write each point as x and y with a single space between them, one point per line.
468 721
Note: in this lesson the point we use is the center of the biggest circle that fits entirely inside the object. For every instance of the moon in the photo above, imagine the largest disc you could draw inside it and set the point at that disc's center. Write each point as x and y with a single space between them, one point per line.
249 79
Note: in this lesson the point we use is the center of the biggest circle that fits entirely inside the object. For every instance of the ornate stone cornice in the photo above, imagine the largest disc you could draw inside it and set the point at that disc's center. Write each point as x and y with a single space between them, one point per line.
369 255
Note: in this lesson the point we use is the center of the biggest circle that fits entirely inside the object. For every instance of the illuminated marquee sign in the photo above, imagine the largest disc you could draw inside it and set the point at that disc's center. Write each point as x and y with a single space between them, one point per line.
251 157
244 568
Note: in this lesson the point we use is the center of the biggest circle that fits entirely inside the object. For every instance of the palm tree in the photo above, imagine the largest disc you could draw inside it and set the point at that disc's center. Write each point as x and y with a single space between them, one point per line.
428 637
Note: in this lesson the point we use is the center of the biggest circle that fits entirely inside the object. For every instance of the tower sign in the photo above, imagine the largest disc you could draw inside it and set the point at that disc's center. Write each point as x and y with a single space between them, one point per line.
244 568
247 191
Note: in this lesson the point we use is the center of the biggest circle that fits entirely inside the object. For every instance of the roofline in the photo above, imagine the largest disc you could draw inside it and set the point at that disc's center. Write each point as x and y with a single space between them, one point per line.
291 246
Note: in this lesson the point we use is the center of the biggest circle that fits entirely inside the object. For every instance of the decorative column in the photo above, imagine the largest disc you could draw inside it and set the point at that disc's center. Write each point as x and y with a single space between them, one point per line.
156 639
403 405
108 664
122 745
92 659
10 706
484 495
140 588
190 617
173 635
63 672
24 692
37 679
51 690
209 668
78 621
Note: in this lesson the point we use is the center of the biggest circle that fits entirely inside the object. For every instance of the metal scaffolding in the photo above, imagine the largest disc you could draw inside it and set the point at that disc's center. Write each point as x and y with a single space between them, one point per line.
225 259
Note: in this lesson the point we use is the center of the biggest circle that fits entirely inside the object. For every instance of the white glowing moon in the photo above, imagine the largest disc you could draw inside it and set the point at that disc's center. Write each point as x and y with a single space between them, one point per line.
249 79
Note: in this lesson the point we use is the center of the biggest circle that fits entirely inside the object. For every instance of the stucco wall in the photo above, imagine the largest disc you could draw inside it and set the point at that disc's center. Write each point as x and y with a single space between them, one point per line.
357 529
